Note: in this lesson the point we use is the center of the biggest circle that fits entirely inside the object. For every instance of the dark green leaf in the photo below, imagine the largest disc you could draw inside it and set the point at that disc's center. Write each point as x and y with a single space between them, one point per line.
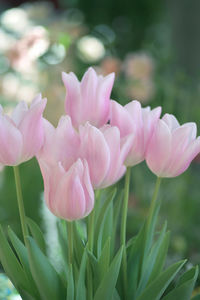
185 286
106 288
23 257
150 261
37 234
11 264
155 290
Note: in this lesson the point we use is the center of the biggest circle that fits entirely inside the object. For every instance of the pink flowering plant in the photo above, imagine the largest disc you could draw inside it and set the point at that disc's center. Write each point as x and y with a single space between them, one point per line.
95 144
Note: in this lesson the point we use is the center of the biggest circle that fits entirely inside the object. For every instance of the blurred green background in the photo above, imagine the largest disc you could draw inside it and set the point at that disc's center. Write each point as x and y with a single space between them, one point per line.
152 46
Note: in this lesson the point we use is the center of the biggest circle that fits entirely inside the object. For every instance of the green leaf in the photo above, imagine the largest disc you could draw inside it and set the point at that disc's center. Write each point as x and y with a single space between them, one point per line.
70 284
78 244
104 259
37 234
138 253
197 297
150 261
23 257
80 289
103 209
155 290
185 286
45 276
106 288
160 260
116 295
105 229
11 264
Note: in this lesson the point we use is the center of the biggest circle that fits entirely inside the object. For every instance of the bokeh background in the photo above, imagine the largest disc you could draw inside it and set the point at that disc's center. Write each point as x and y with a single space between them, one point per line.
152 46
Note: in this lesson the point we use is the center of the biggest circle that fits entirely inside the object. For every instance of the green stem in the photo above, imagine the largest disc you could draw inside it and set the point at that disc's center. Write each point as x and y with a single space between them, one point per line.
20 202
123 227
91 222
90 230
153 201
70 242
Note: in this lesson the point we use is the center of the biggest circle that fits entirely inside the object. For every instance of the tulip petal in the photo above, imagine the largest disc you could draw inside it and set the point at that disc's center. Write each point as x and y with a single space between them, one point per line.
19 112
171 121
67 142
121 118
95 150
31 127
159 149
11 142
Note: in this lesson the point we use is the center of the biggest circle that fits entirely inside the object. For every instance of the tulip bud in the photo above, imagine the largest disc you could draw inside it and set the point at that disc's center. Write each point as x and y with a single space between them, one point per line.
68 193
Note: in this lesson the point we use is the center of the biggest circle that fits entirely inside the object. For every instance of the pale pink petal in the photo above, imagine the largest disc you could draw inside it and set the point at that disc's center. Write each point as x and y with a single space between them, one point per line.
121 118
66 142
185 159
159 149
96 151
31 127
150 119
103 99
88 190
19 112
171 121
10 142
47 150
73 103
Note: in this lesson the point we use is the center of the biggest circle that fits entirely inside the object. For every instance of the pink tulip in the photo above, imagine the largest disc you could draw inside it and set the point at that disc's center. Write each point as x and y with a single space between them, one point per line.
68 193
22 134
172 147
133 119
88 100
105 153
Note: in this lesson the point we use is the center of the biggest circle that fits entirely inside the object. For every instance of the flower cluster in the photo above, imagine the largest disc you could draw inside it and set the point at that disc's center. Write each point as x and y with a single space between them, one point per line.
93 143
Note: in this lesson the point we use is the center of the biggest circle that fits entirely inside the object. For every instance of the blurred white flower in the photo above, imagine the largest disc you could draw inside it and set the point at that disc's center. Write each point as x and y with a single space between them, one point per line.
15 19
6 41
90 49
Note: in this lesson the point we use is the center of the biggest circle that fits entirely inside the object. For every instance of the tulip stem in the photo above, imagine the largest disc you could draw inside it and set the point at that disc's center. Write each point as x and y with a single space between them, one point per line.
153 202
123 227
70 242
91 230
20 202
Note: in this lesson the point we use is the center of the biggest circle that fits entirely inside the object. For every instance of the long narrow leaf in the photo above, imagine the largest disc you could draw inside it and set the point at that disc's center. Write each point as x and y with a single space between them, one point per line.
106 289
156 289
185 287
45 276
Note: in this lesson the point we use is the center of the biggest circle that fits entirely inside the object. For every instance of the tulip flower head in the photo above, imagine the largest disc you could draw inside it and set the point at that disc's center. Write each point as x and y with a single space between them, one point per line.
133 119
105 153
68 193
172 147
22 134
88 100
